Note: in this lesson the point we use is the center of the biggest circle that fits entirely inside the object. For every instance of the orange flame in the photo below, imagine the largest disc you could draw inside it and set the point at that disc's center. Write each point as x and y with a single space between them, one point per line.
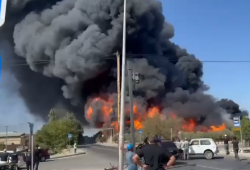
190 125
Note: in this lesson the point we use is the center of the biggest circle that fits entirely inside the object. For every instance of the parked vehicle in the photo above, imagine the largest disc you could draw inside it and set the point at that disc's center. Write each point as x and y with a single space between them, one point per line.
13 160
3 165
170 147
44 155
203 146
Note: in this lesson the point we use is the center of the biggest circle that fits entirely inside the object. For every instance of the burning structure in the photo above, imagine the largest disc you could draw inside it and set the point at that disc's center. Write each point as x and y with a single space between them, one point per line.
69 47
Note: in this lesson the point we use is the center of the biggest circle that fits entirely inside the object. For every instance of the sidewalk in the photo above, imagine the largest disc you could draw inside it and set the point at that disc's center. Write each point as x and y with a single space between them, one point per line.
67 153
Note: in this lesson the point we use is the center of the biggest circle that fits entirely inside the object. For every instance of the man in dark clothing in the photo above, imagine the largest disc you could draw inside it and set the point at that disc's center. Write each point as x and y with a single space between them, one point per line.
28 159
37 156
236 149
154 156
226 145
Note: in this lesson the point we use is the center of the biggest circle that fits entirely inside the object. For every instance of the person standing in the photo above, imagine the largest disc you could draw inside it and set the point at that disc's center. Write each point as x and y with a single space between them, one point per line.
37 157
75 147
235 143
226 144
27 157
155 157
178 145
185 148
129 156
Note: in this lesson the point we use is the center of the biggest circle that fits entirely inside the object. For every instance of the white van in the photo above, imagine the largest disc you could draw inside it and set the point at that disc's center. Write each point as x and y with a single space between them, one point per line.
203 146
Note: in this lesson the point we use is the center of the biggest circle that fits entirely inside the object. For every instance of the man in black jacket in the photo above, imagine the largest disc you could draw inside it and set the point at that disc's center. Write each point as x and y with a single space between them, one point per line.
28 159
154 156
37 157
226 144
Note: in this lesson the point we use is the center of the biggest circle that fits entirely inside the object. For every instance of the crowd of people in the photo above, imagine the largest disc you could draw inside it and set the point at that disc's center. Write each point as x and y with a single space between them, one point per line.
156 158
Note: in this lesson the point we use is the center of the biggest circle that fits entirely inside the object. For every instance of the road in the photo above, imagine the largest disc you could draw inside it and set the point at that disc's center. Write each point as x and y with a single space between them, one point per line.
98 157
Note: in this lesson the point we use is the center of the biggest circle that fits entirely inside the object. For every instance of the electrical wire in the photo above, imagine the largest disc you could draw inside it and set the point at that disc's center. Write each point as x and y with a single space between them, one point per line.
13 63
15 125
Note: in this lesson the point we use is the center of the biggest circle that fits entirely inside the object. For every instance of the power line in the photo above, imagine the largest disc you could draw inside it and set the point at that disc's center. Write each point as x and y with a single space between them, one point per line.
13 63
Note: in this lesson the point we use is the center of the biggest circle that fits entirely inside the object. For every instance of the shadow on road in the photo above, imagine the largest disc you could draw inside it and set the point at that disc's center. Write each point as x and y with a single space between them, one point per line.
202 157
48 160
84 146
244 159
179 164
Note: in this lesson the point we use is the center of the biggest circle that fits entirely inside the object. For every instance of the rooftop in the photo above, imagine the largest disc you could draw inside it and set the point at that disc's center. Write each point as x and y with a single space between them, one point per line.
11 134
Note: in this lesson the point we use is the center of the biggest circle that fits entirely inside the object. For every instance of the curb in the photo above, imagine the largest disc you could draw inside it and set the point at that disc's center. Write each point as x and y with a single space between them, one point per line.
65 156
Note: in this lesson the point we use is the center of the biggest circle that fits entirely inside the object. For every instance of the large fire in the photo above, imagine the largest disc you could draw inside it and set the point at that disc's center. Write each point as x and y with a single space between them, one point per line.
107 112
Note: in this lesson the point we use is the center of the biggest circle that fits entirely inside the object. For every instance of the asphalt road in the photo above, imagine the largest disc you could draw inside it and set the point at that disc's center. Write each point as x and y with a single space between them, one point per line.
99 157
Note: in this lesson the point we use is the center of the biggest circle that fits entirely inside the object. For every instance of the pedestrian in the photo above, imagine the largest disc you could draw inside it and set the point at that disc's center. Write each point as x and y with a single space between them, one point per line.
155 157
159 141
185 148
178 145
226 144
37 157
235 143
75 147
27 156
129 156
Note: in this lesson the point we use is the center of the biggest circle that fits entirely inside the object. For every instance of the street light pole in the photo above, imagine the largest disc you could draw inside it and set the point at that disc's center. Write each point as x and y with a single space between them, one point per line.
31 125
122 109
6 138
132 126
118 87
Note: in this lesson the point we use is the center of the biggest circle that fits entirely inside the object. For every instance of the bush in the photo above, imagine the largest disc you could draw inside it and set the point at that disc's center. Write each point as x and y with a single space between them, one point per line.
2 146
161 126
217 136
54 134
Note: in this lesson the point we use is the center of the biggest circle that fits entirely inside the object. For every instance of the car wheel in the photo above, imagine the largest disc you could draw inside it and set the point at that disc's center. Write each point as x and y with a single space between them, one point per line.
43 159
209 155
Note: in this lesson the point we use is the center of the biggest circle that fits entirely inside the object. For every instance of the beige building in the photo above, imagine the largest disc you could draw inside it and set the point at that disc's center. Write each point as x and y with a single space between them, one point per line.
14 140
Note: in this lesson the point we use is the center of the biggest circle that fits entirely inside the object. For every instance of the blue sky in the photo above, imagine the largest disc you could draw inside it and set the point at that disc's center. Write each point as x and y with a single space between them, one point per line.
216 30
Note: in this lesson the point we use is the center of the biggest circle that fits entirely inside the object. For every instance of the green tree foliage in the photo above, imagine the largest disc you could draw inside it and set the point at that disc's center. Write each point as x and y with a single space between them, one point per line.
217 136
54 134
2 146
161 126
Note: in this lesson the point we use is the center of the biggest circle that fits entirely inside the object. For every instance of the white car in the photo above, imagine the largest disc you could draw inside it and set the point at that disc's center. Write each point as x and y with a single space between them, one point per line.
203 146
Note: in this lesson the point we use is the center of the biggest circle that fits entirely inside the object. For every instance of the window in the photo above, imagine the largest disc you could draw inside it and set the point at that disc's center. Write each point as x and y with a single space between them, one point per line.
195 142
205 142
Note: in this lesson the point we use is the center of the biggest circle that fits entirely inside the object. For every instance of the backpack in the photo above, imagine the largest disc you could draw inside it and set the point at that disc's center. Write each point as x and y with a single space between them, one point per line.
27 156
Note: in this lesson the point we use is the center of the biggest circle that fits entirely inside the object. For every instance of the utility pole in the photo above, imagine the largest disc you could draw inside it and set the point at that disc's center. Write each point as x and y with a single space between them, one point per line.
123 86
6 138
132 126
31 125
118 87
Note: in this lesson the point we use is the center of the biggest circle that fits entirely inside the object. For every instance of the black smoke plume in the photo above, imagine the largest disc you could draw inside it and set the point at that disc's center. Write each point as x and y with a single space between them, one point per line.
69 46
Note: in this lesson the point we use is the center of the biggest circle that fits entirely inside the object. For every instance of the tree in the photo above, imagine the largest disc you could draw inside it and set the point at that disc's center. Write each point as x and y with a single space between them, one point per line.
161 126
2 146
52 115
217 136
54 134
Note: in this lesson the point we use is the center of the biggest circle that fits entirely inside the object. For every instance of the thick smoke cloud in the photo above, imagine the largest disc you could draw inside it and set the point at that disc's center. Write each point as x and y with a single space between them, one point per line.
69 46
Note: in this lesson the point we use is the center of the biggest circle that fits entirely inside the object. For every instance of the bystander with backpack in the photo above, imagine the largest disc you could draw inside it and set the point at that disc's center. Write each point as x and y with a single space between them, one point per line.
27 158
